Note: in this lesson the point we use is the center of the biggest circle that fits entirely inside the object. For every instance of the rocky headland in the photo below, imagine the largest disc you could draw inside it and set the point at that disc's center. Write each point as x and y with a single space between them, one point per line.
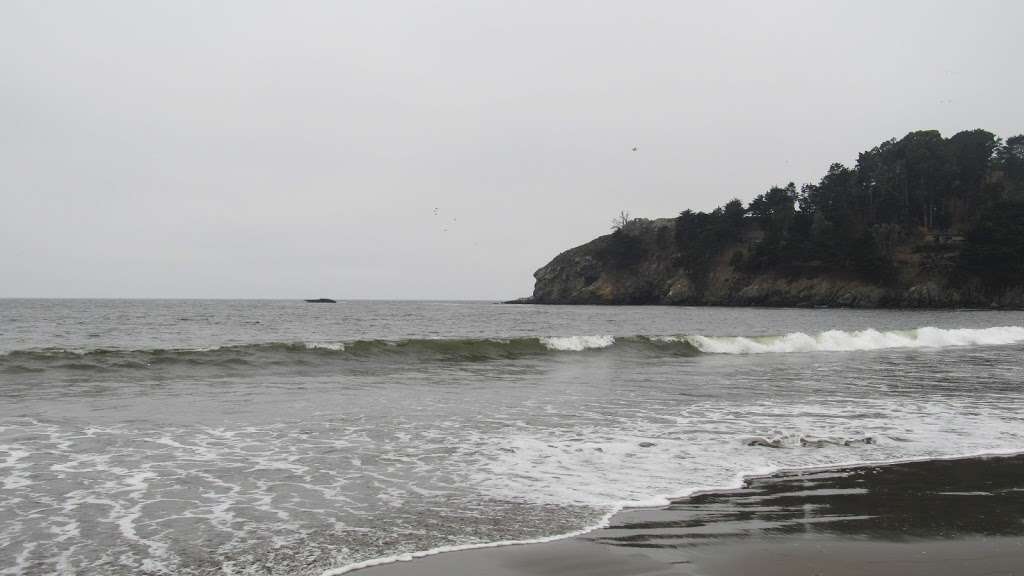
921 222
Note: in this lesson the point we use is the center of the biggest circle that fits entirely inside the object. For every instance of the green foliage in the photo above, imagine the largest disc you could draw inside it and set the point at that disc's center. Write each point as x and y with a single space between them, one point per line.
1010 161
857 221
701 236
733 213
832 196
776 203
869 261
995 249
623 249
663 239
973 151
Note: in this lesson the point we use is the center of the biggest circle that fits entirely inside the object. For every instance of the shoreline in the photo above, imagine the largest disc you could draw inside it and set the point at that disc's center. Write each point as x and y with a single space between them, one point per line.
528 301
604 549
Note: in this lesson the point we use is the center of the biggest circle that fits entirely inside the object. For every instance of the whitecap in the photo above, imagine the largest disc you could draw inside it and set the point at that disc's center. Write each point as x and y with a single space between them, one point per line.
577 343
870 339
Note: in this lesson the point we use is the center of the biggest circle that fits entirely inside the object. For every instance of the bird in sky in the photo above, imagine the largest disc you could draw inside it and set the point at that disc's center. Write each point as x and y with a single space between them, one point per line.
635 148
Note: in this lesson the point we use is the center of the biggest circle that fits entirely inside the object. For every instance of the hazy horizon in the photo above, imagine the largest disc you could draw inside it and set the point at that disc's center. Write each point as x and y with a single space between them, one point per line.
255 298
406 151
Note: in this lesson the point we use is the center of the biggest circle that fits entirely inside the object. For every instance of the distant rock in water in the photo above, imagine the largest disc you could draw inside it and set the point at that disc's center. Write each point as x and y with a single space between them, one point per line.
322 301
523 300
951 237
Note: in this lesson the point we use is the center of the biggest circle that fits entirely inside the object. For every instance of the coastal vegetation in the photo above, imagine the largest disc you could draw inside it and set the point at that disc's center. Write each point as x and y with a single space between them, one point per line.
922 220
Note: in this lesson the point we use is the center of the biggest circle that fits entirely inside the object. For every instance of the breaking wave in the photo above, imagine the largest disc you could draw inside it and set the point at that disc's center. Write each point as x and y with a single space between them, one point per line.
399 352
841 341
577 343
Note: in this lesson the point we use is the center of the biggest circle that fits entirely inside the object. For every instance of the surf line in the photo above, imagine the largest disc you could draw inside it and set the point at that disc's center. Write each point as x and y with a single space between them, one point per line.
659 502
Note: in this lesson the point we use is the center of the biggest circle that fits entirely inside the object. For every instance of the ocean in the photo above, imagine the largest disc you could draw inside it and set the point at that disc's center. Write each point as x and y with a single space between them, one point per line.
194 437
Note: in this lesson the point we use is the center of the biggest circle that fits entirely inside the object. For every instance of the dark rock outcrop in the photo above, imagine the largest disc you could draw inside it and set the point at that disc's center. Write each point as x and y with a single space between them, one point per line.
649 271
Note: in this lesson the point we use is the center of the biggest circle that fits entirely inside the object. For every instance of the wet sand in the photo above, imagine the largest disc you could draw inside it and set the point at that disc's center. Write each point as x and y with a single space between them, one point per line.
951 517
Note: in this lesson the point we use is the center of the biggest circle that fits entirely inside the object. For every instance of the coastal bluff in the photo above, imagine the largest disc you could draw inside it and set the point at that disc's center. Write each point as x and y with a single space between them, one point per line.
587 274
920 222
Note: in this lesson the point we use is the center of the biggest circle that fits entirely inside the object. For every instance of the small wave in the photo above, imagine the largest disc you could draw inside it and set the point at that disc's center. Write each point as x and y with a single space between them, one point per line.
403 352
336 346
276 354
408 556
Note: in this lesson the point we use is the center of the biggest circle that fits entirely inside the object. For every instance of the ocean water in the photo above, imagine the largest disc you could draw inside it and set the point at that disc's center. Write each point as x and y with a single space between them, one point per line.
277 437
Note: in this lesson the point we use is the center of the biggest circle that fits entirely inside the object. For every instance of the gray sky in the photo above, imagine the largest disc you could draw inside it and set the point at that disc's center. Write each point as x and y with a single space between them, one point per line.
300 149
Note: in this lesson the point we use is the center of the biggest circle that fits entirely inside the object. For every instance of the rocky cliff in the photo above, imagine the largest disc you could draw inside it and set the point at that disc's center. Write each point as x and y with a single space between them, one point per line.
642 263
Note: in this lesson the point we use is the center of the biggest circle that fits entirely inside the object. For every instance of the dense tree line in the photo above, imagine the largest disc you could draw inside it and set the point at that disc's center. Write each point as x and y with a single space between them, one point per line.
953 203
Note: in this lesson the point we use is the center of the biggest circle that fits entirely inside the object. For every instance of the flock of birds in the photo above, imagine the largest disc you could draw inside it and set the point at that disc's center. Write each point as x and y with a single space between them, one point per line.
437 212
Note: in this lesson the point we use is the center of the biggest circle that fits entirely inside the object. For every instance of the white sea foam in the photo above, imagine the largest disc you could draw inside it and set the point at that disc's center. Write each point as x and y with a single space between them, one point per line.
657 456
577 343
461 547
656 502
337 346
839 340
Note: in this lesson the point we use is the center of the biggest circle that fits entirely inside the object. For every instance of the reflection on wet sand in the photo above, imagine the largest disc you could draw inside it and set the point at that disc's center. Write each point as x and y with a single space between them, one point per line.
952 517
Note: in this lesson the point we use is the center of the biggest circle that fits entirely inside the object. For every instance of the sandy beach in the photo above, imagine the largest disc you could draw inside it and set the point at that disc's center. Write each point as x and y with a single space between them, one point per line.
946 517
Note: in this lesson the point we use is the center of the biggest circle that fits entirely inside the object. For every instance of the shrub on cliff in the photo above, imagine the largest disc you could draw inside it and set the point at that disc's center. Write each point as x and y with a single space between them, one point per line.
995 246
701 237
623 249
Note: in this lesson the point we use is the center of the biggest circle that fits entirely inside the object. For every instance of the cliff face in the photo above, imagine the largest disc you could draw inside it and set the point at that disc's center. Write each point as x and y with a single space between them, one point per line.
642 264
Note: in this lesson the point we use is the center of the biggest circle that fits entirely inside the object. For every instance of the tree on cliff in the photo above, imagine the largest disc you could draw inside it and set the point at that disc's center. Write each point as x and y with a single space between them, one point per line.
854 220
1010 161
995 248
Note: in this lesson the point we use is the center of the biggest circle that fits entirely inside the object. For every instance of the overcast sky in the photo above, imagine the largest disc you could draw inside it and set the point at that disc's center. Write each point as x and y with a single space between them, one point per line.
420 149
